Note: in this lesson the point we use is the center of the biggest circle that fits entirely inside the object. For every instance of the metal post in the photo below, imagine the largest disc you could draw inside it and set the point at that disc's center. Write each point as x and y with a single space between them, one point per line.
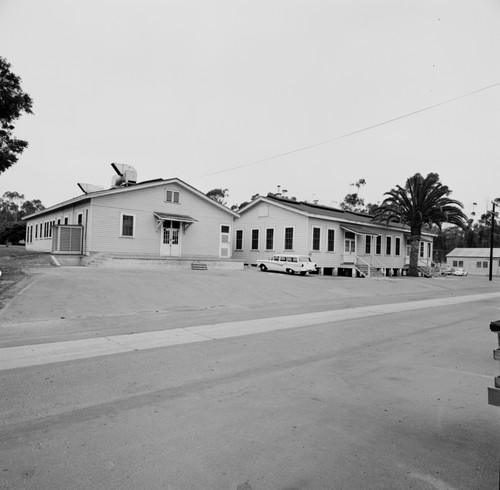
491 239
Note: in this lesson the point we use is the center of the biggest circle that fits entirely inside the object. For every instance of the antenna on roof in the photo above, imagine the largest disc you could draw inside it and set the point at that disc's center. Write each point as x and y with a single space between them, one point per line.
87 188
127 175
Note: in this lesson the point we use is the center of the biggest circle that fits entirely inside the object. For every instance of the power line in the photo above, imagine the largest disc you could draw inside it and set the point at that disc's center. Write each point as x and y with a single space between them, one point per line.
352 133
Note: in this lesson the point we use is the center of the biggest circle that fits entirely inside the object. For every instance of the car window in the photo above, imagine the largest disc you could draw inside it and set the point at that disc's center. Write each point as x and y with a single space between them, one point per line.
283 259
292 259
304 259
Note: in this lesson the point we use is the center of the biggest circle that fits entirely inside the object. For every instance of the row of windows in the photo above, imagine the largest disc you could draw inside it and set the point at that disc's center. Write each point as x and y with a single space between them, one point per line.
372 244
43 230
269 239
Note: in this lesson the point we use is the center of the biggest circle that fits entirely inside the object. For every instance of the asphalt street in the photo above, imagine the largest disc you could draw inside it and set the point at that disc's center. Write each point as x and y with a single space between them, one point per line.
292 383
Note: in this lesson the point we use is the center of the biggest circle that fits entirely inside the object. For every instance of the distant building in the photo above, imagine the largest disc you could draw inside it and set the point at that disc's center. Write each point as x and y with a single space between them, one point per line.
476 261
340 242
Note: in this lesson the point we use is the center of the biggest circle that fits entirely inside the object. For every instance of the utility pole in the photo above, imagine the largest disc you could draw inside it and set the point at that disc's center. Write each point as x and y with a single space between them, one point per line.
491 239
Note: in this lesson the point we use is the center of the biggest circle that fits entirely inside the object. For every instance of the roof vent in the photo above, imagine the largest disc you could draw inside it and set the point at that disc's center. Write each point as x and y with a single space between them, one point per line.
87 188
127 175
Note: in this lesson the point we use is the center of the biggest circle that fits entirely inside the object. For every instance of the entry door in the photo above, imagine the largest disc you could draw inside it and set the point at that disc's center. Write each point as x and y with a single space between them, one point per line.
171 239
225 241
349 247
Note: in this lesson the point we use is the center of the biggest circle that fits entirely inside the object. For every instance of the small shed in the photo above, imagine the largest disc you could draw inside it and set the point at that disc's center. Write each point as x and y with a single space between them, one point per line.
475 261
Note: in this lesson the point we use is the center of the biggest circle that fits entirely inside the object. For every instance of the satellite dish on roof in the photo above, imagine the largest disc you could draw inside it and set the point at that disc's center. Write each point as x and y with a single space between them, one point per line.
127 175
87 188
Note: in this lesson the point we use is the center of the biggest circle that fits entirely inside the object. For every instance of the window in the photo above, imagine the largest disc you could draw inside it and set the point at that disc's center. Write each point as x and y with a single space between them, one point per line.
316 245
224 229
255 240
66 220
172 196
127 225
350 242
455 263
460 263
368 244
428 250
80 219
270 239
485 265
289 238
331 240
378 245
422 250
388 245
239 239
397 246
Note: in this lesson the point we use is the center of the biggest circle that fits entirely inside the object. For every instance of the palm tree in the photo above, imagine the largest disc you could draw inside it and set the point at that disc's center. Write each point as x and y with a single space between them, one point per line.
421 202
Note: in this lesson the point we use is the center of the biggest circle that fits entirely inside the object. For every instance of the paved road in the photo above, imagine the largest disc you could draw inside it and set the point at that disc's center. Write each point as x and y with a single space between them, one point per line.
381 397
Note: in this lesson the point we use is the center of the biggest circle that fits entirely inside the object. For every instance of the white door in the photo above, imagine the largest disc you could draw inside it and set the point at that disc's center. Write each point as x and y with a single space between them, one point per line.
349 247
170 245
225 241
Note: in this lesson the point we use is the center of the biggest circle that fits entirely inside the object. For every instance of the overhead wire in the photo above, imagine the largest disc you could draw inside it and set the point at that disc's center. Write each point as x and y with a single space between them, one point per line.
352 133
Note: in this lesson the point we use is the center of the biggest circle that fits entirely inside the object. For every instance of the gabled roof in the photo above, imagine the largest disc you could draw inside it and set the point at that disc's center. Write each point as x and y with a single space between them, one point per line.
328 213
480 253
124 190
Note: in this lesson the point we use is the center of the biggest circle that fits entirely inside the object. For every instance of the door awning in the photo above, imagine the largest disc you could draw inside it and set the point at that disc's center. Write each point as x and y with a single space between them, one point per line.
174 217
186 221
360 230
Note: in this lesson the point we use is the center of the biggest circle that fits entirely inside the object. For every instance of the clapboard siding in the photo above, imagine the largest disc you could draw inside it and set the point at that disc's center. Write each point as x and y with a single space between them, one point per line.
200 238
263 216
102 216
44 243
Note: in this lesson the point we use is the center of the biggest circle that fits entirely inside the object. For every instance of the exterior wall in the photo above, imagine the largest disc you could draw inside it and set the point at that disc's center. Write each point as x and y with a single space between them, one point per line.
470 264
39 231
261 217
264 215
202 238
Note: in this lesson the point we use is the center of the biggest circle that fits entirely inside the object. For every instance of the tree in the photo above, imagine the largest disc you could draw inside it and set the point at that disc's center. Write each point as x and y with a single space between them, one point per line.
353 202
12 208
218 195
421 202
13 102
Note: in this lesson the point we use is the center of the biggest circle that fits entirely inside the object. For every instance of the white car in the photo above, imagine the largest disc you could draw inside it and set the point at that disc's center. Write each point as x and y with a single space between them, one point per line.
291 264
459 272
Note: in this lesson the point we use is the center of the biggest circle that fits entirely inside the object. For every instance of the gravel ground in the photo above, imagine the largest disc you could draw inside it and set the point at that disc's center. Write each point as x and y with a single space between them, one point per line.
15 265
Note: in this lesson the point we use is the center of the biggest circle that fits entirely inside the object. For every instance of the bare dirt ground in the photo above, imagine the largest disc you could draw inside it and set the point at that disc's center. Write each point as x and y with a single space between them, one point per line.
15 265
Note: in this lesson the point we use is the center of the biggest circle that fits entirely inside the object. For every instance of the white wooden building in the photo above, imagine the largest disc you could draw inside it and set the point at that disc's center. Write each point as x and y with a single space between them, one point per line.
340 242
475 261
159 218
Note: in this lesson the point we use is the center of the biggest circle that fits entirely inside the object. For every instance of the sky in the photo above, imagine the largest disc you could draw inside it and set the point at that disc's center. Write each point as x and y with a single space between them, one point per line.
307 95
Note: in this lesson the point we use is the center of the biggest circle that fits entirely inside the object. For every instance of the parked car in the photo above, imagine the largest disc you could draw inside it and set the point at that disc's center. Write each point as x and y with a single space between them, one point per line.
447 271
291 264
459 272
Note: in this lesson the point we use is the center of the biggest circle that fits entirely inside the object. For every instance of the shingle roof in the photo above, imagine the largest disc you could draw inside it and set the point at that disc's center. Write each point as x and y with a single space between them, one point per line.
343 215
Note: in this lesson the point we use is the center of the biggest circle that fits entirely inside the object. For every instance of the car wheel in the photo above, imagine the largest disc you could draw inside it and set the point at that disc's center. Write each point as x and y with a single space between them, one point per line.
289 271
263 268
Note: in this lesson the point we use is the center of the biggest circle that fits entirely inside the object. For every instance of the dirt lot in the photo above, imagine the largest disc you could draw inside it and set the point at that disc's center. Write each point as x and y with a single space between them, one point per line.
15 263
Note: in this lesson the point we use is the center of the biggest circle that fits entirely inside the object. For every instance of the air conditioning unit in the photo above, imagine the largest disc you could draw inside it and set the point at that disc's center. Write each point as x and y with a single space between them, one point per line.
127 175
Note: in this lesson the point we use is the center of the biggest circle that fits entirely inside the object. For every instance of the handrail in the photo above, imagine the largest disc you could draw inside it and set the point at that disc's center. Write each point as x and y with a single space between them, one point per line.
362 260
